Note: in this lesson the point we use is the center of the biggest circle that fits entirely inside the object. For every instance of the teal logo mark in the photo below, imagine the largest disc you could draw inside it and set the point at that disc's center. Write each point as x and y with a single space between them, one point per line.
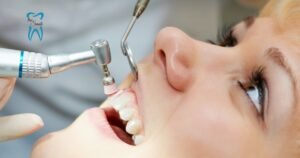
35 21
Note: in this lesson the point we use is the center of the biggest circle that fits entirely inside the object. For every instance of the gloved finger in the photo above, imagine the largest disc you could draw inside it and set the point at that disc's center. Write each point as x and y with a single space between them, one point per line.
6 88
16 126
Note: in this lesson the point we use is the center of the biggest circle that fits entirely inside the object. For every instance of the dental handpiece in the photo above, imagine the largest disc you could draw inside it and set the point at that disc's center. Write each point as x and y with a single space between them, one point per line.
138 11
101 50
24 64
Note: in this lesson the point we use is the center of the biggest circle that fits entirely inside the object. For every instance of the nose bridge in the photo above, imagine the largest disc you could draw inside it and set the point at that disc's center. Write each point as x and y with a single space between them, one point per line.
212 57
175 50
176 45
184 58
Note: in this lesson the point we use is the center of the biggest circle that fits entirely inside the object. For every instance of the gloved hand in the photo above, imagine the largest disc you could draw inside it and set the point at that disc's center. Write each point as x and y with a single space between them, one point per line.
15 126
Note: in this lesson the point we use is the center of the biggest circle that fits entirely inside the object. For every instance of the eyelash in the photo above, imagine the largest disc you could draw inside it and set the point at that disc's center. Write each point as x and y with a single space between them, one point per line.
225 37
257 79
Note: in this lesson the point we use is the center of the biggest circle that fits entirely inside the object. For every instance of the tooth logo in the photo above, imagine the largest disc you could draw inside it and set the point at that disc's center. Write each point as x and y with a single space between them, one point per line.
35 25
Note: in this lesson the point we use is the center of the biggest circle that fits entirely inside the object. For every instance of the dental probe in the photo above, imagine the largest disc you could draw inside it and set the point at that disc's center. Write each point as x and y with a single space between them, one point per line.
101 50
138 10
24 64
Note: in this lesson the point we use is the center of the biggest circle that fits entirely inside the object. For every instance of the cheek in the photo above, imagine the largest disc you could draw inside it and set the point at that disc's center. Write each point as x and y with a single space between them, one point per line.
46 147
201 128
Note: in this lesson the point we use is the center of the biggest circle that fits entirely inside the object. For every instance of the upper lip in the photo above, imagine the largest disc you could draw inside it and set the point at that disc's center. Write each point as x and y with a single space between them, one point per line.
136 89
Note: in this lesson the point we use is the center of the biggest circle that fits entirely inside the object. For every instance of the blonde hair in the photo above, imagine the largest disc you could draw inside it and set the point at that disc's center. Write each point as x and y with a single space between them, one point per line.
286 13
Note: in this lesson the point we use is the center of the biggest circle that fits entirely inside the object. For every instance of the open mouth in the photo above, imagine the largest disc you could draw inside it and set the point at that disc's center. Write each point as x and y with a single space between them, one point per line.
122 115
117 125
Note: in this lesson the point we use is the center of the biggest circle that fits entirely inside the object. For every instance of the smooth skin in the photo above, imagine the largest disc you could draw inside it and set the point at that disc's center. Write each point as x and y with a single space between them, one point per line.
14 126
192 105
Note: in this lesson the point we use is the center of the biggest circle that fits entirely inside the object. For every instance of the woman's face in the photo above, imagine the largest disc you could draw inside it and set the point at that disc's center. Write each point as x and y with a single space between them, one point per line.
196 99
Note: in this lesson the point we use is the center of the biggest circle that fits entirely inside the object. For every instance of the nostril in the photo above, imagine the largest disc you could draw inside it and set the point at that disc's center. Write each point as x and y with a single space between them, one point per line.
174 53
162 57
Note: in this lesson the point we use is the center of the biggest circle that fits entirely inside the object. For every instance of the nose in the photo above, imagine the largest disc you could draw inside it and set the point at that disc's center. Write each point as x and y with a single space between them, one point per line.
175 53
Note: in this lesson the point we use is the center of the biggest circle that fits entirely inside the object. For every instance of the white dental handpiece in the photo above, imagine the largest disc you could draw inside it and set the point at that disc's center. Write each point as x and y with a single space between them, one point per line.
24 64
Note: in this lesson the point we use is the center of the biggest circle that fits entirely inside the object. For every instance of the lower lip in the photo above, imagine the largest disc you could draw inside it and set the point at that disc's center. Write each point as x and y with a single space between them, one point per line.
98 118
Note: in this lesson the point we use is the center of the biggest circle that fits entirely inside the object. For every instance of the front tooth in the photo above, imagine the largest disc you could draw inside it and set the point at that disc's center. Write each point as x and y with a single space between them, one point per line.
138 139
126 113
133 126
121 101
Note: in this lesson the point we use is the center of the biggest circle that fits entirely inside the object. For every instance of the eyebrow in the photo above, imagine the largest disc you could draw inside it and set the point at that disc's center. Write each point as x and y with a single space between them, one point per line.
274 53
249 21
277 57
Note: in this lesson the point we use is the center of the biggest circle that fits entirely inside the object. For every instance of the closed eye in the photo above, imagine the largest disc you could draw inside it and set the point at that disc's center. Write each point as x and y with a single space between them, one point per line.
225 37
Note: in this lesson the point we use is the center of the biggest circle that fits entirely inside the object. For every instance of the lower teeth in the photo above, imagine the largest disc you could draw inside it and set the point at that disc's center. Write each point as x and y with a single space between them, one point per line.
124 122
118 125
138 139
122 135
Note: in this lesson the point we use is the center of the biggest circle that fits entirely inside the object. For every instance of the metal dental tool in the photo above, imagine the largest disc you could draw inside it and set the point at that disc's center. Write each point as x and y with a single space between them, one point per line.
24 64
103 58
138 10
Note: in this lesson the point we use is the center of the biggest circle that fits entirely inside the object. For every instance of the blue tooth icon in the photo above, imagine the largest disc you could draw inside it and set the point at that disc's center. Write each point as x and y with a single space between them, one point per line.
32 15
32 30
35 27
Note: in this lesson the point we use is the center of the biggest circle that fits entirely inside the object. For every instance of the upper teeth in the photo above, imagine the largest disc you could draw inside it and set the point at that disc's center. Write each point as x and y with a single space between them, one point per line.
122 100
138 139
124 103
126 113
134 126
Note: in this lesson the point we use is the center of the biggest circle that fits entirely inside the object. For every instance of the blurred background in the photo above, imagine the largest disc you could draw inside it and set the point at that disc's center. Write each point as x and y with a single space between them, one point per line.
71 25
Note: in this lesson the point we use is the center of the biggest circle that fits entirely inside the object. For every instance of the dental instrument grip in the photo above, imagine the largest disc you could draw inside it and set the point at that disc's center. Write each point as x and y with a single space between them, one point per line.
24 64
15 63
35 65
140 8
